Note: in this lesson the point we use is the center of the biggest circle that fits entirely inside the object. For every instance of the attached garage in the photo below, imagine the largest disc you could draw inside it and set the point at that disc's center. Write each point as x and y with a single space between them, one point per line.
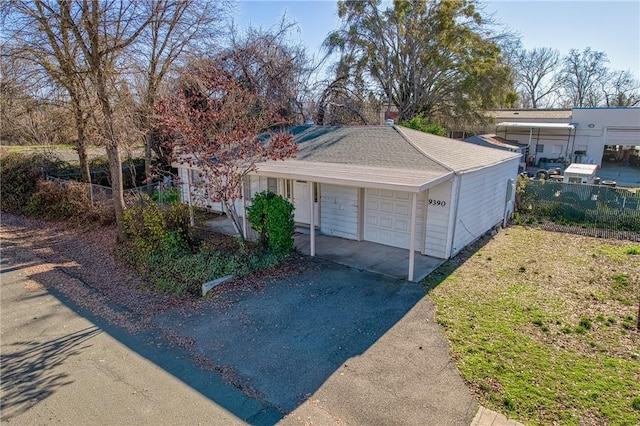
387 218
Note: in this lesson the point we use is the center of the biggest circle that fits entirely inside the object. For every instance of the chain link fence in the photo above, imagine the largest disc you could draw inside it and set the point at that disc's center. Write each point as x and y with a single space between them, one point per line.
579 208
103 195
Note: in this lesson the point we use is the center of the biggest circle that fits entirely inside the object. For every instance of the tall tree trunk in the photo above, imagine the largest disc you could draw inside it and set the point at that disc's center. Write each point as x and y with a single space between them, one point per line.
113 152
81 145
115 169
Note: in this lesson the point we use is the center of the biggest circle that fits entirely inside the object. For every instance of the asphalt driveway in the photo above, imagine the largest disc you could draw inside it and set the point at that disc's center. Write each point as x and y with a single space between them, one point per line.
332 345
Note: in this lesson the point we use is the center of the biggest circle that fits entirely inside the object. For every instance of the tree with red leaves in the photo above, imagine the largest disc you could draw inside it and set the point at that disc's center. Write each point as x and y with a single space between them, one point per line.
223 130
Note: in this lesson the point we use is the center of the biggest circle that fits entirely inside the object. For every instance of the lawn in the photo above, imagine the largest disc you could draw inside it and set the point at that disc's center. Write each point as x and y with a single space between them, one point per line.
542 326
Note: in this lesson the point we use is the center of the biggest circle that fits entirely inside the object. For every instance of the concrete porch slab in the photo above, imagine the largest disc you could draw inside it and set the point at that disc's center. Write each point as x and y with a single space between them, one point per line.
377 258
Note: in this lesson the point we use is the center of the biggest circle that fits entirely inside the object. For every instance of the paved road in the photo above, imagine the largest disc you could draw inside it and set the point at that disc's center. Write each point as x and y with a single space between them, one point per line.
58 367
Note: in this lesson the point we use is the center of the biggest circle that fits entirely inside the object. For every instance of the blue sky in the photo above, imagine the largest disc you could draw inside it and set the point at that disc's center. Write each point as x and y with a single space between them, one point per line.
609 26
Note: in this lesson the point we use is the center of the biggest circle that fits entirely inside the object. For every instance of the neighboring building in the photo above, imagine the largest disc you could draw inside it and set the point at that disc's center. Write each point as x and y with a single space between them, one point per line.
390 185
580 135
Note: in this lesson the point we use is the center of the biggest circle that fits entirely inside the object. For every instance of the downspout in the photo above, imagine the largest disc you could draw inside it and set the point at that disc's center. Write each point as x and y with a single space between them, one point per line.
454 212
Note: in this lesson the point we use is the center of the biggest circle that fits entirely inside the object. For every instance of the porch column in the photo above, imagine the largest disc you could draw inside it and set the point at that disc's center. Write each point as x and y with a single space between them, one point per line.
244 209
412 237
312 221
192 220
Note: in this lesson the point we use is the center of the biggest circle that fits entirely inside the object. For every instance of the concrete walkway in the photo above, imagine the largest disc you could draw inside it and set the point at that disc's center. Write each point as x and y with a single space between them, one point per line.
486 417
377 258
389 261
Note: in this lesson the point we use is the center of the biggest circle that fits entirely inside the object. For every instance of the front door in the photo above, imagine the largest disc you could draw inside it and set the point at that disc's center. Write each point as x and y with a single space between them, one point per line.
301 202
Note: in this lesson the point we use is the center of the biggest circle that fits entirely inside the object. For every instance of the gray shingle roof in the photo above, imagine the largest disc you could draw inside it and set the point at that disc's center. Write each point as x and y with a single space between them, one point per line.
391 147
454 154
377 146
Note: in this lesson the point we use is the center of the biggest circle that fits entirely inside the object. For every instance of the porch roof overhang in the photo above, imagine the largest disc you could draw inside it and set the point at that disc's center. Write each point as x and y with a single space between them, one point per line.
519 124
408 180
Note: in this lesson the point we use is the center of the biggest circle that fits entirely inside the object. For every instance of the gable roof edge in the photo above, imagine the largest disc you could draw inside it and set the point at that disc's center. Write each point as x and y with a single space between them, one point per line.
422 151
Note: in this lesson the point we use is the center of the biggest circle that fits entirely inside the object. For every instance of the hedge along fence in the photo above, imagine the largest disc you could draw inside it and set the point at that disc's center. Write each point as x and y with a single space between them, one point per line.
589 206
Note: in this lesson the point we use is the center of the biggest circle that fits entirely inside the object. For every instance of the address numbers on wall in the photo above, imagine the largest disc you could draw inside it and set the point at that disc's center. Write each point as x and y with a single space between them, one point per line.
440 203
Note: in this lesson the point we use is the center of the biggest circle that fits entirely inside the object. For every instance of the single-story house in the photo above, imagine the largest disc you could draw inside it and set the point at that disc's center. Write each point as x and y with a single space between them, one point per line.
388 185
586 135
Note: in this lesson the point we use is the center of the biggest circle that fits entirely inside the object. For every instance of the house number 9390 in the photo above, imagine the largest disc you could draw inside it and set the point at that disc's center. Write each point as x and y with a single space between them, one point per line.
437 202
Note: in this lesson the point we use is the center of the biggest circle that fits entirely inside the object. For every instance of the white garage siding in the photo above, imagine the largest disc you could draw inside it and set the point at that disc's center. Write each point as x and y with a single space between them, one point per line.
387 218
339 211
482 198
437 233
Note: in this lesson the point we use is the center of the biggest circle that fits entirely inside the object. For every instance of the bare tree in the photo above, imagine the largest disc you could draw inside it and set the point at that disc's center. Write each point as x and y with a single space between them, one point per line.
536 75
621 88
582 75
177 28
39 32
266 63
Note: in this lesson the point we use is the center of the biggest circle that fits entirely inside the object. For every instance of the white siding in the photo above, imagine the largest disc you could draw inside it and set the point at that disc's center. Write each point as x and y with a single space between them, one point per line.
184 185
482 199
339 211
197 197
437 233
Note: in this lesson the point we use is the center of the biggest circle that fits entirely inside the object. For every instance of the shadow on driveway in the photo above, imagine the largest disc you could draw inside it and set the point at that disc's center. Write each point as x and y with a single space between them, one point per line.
327 345
324 336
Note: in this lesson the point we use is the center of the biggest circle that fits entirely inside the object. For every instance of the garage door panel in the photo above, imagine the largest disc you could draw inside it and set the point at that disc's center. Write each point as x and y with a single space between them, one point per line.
402 209
402 225
385 222
388 218
372 205
386 207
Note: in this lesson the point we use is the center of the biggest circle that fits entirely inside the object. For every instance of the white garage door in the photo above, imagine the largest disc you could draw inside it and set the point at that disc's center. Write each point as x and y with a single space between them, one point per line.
387 218
628 137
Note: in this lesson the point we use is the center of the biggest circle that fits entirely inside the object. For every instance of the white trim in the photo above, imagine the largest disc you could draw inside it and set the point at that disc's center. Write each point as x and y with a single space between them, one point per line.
354 175
412 237
561 126
312 221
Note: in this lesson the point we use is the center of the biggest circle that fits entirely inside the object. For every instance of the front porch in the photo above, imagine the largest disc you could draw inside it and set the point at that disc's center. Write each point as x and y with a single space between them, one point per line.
367 256
372 257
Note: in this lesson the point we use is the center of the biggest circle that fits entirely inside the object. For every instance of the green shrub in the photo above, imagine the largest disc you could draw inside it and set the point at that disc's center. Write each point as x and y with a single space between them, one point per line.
152 227
166 196
424 124
272 217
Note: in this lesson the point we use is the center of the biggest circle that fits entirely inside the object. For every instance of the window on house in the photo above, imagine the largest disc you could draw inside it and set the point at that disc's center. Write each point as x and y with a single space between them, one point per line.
539 148
196 176
288 189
